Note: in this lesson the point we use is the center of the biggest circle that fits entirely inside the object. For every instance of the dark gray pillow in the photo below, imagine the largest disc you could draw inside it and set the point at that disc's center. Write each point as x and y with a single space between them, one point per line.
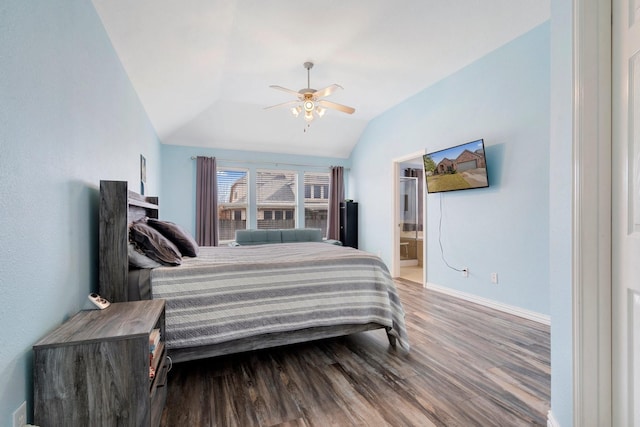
153 244
178 236
139 260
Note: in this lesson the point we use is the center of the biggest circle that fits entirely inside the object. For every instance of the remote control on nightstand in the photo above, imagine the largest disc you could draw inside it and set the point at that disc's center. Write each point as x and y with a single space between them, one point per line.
98 301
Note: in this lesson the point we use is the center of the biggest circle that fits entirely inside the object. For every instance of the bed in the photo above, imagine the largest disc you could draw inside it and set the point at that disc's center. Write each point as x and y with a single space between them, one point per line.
234 299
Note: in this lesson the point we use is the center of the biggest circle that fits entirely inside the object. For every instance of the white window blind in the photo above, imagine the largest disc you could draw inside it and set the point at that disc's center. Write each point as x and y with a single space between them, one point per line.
233 197
316 200
276 199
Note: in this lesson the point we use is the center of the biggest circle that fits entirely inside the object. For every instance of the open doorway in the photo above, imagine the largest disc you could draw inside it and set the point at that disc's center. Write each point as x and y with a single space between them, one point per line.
409 218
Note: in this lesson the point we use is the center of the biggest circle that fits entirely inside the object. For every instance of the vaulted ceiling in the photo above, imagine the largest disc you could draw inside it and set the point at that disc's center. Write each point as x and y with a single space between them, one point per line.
202 68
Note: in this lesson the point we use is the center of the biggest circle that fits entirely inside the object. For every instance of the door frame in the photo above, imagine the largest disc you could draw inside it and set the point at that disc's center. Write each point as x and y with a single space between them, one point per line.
591 216
395 204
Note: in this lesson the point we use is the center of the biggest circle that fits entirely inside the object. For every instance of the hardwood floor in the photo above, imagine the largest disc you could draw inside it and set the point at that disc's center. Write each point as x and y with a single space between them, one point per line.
468 366
413 273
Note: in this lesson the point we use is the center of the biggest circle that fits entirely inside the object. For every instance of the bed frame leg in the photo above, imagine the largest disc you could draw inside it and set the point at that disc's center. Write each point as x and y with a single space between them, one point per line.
392 339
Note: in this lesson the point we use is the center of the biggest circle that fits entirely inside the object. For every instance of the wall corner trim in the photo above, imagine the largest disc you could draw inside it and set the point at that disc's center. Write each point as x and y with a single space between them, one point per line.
551 420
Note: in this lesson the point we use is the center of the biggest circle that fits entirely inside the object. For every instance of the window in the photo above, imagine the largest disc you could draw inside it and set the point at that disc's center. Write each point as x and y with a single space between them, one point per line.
276 200
232 202
276 193
316 200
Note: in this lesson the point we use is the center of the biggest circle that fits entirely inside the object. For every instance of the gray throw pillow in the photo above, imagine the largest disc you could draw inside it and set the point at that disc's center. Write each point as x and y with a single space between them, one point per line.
153 244
139 260
178 236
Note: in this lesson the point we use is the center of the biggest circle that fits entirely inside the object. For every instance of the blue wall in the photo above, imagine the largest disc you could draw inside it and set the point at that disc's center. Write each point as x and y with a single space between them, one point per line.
68 118
561 209
503 98
177 199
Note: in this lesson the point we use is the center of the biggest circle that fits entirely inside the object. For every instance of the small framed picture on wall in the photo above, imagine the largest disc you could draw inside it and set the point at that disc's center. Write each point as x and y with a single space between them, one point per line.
143 173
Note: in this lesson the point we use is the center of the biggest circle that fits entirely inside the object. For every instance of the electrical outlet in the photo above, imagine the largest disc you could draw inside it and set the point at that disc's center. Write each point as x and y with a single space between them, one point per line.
20 415
494 278
465 272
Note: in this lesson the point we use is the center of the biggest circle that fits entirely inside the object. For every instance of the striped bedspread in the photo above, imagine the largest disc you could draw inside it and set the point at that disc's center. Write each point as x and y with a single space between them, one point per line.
228 293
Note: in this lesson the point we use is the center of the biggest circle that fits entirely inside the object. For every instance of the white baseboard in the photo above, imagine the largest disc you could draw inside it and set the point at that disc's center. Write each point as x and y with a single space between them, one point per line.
516 311
551 421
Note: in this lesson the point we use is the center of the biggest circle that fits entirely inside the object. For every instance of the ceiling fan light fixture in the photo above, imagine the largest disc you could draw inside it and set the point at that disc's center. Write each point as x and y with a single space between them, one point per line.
308 100
308 115
309 106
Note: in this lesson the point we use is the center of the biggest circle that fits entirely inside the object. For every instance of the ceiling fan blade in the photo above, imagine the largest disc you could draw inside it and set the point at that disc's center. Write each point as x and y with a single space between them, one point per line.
326 91
335 106
289 91
284 104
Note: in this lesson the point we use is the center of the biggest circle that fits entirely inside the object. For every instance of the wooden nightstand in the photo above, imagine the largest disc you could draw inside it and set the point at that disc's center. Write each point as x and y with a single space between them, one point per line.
94 369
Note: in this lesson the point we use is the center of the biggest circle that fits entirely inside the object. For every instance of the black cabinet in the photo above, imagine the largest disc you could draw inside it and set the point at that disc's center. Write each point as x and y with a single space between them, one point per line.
349 224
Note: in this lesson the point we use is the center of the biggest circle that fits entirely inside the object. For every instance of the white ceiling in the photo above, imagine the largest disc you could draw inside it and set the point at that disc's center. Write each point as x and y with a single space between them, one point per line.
202 68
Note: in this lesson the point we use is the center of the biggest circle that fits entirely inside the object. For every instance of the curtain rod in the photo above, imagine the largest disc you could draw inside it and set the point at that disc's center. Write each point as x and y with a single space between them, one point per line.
266 163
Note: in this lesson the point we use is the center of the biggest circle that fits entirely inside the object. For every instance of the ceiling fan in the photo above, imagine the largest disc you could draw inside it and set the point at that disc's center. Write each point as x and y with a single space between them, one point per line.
310 101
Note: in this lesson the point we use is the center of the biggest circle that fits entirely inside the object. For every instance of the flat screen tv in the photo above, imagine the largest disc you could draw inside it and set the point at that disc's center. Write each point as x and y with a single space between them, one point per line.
462 167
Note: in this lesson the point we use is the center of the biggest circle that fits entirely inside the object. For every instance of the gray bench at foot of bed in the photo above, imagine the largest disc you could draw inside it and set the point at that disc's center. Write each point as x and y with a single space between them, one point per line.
292 235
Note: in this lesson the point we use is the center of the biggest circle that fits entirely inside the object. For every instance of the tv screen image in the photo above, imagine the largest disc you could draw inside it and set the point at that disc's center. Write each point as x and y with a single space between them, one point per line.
462 167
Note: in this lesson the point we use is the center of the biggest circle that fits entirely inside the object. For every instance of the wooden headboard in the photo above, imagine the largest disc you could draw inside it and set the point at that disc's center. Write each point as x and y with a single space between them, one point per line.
119 207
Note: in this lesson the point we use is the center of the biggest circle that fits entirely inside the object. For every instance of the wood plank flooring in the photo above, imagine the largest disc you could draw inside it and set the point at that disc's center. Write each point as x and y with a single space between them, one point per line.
468 366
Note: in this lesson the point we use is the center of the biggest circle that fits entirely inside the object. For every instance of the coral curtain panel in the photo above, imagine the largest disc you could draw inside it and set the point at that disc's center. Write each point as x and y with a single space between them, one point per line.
336 196
206 202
